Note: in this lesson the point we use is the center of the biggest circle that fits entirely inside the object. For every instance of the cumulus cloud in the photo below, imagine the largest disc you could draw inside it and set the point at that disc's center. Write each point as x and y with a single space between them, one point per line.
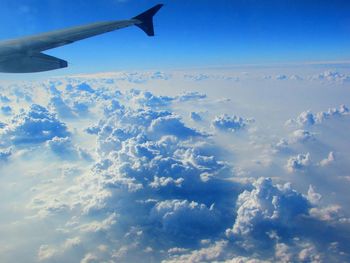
329 160
313 196
64 148
267 207
298 163
307 118
182 216
171 125
229 123
158 189
212 253
37 125
331 76
302 136
146 98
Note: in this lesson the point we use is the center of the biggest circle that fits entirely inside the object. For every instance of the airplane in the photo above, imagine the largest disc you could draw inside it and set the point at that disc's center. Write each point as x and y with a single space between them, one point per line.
24 55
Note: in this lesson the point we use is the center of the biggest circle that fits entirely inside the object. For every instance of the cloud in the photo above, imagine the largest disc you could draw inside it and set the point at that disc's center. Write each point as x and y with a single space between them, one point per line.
307 118
267 207
49 253
181 217
98 226
46 252
329 160
332 76
4 99
160 182
6 110
64 148
171 125
63 110
229 123
84 87
150 100
157 188
5 154
37 125
298 163
208 254
195 116
281 77
313 196
194 95
302 136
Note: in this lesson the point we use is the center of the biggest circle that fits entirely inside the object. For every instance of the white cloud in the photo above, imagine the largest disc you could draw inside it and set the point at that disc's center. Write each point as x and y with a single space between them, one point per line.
267 207
229 123
329 160
331 76
46 252
34 126
184 217
298 163
302 136
307 118
208 254
313 196
171 125
157 187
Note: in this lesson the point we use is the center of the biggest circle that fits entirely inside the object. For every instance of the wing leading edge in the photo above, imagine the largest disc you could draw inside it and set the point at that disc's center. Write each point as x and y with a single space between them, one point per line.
24 55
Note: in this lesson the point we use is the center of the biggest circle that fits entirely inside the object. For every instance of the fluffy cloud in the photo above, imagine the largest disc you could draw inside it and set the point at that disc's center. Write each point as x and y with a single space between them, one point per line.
150 100
329 160
298 163
208 254
229 123
182 216
158 189
267 207
302 136
171 125
307 118
331 76
36 125
64 148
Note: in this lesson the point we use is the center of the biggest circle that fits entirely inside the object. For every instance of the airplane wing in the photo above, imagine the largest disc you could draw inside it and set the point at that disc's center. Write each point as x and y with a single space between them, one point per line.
29 63
24 55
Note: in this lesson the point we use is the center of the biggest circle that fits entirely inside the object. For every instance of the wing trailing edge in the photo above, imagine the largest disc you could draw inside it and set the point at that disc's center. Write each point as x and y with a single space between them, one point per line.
27 63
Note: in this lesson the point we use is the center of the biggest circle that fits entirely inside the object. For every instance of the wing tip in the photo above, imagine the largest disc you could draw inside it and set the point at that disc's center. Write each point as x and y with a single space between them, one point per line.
146 19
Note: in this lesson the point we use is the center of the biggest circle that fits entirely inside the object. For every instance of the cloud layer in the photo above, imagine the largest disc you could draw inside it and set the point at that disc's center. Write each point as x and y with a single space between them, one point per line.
129 174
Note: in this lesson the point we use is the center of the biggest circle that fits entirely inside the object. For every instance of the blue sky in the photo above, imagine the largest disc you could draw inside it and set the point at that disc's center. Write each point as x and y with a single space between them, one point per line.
190 33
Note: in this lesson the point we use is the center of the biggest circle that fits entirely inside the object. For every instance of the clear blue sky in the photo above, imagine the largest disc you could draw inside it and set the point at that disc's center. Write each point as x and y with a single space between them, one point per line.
190 33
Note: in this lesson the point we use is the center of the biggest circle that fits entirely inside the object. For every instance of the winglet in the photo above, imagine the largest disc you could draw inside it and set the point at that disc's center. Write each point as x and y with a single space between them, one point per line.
146 19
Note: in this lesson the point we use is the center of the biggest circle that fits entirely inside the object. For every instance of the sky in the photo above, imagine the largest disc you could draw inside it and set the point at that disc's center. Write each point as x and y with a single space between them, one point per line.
225 138
190 33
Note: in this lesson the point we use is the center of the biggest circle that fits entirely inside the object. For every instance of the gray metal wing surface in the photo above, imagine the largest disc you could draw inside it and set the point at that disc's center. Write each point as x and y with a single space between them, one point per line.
23 55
